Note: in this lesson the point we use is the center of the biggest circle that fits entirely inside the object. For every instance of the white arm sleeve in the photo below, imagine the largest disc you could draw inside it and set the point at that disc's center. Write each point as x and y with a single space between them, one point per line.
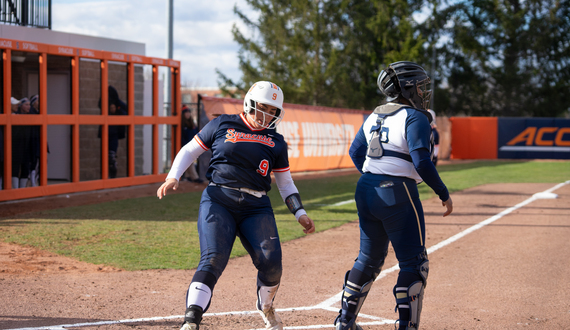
185 157
287 187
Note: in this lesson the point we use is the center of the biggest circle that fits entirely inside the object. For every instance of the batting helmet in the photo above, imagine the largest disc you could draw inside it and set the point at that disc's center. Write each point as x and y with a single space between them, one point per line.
267 93
408 80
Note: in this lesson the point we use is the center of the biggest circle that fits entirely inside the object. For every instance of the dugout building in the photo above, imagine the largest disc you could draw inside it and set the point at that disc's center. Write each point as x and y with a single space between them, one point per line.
70 75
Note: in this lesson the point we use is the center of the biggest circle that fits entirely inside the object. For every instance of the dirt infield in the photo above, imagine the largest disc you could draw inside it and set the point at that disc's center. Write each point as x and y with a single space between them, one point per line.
510 273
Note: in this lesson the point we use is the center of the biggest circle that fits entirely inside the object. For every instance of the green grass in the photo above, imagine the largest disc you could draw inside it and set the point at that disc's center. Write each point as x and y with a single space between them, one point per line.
147 233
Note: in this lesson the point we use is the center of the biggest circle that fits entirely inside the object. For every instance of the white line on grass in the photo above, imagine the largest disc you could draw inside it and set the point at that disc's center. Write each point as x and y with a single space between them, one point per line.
326 305
342 203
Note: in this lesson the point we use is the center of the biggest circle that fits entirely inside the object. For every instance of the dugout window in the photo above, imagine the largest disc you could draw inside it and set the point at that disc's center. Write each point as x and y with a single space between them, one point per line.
58 85
165 84
25 76
143 90
59 155
164 148
143 150
89 86
117 78
89 153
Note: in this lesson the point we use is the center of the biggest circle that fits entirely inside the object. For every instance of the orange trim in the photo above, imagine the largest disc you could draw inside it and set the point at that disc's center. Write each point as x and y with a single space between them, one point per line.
281 169
105 114
75 113
43 115
131 115
201 143
66 188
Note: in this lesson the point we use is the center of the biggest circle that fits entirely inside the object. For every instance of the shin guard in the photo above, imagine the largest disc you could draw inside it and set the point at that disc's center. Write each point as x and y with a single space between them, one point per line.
352 299
265 296
411 298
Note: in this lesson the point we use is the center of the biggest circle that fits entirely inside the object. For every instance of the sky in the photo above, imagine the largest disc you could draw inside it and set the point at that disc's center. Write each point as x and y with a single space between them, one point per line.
203 41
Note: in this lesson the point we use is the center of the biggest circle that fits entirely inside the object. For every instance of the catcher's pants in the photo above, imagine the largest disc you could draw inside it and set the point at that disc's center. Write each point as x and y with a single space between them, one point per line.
389 210
225 214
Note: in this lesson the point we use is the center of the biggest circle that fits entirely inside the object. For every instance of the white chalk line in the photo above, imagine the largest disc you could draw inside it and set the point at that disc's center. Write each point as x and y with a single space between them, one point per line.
327 304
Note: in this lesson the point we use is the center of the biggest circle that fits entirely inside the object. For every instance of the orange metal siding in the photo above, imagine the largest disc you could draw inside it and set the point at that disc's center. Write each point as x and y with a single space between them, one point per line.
474 137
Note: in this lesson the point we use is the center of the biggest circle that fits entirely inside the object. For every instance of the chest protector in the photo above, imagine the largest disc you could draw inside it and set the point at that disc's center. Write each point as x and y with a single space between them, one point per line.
380 133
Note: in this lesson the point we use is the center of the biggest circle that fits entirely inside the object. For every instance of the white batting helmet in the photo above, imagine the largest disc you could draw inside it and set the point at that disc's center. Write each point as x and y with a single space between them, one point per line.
267 93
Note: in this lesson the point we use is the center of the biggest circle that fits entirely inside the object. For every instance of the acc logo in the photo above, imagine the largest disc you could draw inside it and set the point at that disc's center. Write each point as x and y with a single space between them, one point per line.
536 136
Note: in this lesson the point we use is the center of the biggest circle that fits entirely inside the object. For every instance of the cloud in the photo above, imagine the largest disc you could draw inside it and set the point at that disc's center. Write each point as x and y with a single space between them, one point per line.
202 30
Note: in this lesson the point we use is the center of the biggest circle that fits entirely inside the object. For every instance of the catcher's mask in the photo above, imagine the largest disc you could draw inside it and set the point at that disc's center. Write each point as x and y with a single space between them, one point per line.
408 80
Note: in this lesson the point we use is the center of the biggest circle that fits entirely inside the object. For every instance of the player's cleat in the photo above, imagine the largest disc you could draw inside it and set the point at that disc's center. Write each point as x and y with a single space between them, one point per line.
272 320
190 326
192 318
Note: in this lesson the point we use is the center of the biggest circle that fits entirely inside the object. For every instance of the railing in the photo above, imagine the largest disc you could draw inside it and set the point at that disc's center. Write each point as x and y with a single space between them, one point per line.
34 13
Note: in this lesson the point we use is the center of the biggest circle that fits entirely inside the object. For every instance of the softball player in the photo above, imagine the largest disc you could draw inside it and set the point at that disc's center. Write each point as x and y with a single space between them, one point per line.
246 148
392 150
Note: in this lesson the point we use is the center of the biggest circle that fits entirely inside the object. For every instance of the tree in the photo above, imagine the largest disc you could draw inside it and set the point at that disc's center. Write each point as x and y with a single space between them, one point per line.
326 53
505 58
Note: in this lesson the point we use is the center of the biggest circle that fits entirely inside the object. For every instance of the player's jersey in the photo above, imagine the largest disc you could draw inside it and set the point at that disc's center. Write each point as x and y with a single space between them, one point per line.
242 157
403 132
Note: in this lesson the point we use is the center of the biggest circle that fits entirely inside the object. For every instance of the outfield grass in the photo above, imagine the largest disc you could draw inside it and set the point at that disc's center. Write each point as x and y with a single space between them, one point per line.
147 233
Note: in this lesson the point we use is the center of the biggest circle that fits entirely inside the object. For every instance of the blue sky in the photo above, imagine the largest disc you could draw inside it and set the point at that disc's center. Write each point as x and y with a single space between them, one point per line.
202 31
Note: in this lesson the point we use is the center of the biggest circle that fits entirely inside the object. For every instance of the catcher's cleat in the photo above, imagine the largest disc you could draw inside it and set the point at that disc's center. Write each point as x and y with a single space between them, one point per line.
272 320
340 326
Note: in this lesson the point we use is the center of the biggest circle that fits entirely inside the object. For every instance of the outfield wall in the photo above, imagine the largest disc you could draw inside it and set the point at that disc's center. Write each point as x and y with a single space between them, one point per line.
318 137
510 138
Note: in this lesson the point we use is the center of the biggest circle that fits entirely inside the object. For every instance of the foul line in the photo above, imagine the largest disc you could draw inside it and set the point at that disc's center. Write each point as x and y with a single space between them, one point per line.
327 304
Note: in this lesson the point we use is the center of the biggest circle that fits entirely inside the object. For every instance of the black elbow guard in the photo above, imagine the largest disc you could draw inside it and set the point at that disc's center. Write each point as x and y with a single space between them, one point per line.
293 202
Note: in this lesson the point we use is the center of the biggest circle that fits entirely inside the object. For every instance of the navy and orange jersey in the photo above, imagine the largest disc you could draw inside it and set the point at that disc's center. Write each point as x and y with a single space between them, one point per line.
242 157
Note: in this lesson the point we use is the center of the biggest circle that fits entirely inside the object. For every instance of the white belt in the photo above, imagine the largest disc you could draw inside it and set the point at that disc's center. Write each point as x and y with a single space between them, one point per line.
252 192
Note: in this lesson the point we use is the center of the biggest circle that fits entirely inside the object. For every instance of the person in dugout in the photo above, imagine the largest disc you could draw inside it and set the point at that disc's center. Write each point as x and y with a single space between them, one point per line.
116 132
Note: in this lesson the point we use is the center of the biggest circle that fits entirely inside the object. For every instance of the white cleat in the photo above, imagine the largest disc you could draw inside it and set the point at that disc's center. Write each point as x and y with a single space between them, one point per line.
272 320
189 326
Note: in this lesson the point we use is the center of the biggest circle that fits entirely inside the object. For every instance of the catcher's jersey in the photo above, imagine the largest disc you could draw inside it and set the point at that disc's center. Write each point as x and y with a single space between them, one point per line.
405 131
242 157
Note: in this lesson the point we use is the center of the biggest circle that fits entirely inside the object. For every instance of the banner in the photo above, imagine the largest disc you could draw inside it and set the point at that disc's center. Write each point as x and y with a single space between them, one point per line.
534 138
318 138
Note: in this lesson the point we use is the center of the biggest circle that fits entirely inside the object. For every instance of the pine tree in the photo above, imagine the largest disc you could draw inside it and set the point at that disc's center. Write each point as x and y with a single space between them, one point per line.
326 53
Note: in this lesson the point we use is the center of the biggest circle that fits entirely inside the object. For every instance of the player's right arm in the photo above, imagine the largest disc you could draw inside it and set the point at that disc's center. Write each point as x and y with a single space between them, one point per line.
417 136
185 157
292 199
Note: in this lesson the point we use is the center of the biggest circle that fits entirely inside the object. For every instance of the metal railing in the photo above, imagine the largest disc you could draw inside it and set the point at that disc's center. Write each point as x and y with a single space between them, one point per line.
34 13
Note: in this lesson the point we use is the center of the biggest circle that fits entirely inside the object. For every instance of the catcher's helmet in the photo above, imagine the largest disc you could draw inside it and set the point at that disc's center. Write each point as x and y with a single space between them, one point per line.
408 80
267 93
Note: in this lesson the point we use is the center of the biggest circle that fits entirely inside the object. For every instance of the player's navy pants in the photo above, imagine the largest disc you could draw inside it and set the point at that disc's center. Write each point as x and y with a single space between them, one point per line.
389 210
225 214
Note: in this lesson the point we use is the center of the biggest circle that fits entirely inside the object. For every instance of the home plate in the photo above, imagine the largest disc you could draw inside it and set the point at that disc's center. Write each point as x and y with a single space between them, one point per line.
545 195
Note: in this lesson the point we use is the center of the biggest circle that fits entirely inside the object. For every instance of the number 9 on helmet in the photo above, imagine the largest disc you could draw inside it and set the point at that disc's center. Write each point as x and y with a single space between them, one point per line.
267 93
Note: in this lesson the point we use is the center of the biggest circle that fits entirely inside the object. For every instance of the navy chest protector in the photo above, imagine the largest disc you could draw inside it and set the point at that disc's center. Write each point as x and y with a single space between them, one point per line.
380 133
